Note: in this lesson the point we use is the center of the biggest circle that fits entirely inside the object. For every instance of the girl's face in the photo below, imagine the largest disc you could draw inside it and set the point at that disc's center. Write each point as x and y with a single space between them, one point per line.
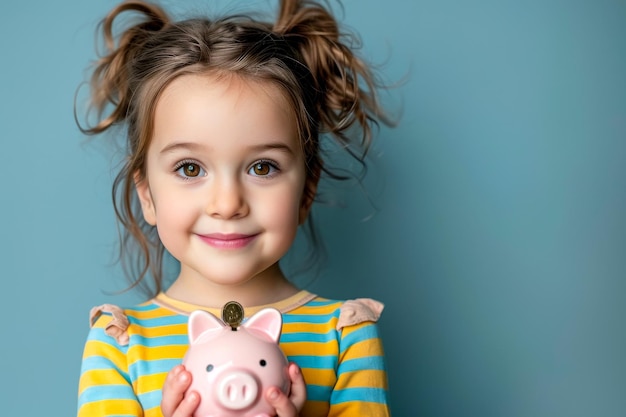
225 178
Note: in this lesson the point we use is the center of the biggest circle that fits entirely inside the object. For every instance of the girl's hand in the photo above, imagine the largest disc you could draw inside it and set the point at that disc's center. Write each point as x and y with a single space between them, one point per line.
289 406
174 402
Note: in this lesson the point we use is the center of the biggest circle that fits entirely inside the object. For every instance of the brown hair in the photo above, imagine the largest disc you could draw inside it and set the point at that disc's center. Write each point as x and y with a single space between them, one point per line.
303 53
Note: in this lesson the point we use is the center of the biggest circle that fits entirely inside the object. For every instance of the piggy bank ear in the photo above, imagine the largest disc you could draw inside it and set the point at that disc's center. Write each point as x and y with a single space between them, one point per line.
202 323
268 321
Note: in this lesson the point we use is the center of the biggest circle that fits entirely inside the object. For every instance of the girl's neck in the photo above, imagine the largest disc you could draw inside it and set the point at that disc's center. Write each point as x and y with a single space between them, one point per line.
266 288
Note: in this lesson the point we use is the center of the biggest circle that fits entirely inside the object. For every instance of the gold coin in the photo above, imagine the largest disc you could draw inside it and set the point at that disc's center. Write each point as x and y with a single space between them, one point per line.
232 314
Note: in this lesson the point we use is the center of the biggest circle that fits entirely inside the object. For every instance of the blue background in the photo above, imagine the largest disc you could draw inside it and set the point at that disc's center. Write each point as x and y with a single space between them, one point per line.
499 241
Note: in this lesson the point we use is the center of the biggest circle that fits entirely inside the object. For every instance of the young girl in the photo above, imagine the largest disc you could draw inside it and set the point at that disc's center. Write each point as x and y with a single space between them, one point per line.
224 121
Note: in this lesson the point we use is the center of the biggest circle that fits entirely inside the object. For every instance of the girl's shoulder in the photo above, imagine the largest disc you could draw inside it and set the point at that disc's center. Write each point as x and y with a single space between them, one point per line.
342 313
143 319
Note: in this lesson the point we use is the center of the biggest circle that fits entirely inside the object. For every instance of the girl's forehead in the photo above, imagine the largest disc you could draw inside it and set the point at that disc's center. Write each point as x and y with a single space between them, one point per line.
199 107
225 85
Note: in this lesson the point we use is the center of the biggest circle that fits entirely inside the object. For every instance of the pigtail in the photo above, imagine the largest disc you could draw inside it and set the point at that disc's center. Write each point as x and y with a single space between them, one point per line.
112 79
345 85
114 83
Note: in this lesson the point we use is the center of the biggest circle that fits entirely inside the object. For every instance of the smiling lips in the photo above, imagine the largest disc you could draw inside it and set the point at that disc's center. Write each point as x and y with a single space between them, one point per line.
227 241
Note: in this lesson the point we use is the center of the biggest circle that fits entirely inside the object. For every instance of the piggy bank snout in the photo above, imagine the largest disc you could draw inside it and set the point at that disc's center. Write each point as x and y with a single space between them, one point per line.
236 389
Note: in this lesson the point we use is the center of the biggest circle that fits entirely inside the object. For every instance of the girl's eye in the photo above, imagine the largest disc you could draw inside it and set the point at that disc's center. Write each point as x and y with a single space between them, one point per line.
262 169
189 170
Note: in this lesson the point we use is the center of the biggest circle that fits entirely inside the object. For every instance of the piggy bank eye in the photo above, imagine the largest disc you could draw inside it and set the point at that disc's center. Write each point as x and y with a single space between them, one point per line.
262 362
209 368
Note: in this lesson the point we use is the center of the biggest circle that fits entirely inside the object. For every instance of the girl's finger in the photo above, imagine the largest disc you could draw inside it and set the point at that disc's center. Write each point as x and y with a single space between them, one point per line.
281 403
297 396
188 405
176 383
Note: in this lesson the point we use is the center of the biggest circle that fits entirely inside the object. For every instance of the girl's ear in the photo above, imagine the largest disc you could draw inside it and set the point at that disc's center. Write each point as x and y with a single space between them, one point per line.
308 196
145 198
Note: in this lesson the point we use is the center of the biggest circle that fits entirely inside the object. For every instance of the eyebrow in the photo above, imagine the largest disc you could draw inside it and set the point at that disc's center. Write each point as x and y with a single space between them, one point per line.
279 146
192 146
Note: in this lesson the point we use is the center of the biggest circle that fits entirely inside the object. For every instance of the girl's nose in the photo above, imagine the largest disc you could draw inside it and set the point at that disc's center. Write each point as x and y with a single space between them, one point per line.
227 200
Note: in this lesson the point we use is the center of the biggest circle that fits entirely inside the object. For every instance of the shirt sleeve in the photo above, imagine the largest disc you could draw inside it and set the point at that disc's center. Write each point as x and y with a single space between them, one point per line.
105 388
361 388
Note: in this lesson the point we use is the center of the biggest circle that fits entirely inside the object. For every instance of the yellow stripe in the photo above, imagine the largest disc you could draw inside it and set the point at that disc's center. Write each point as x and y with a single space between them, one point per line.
98 348
102 321
323 377
111 407
321 328
307 348
138 352
156 313
171 330
150 382
363 378
99 377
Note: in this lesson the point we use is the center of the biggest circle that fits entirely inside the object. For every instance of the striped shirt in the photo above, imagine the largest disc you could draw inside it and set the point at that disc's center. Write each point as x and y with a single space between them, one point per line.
344 369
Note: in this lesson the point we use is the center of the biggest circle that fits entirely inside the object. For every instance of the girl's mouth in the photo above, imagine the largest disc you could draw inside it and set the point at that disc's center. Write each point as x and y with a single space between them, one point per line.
227 241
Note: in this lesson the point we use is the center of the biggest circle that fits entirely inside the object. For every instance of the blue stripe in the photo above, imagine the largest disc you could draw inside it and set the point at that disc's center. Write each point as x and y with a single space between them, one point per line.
309 337
318 393
368 363
105 392
93 363
372 395
159 321
306 318
315 362
159 341
158 366
364 333
150 399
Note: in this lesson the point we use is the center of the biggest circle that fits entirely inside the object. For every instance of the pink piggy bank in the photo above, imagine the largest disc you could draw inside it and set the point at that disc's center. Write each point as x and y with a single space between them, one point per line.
232 368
